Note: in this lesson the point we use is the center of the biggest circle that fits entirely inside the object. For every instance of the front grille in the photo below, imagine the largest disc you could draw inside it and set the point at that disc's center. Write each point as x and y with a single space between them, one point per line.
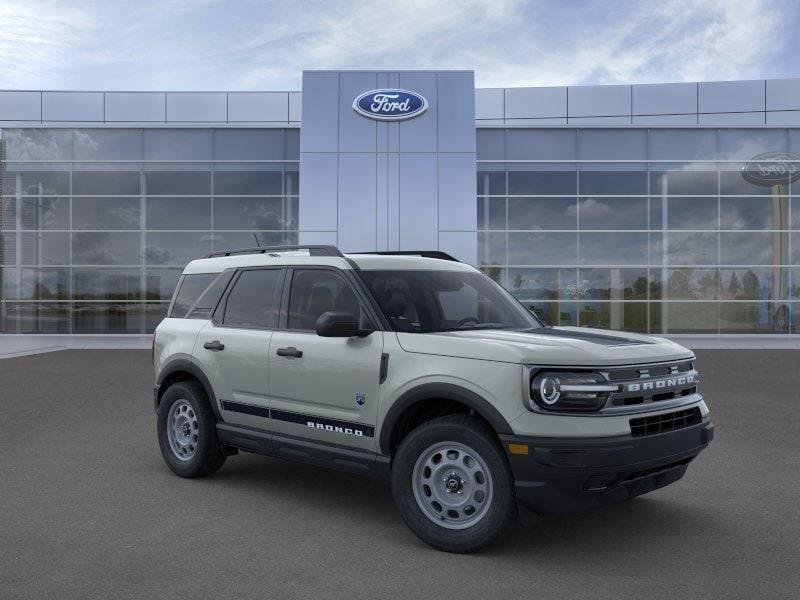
652 383
628 373
666 422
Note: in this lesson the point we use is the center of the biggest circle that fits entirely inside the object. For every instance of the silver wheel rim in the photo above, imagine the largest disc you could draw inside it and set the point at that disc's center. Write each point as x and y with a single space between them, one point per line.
452 485
182 430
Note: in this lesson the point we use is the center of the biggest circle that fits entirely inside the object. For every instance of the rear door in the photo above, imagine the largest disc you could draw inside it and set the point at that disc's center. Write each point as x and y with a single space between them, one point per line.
324 388
233 348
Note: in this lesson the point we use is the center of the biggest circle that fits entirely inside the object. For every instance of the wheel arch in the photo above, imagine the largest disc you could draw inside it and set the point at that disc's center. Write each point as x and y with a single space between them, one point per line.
181 369
412 399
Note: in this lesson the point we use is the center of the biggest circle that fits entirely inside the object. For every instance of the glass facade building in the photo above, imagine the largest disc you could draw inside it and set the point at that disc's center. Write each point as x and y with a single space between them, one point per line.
97 224
648 230
624 207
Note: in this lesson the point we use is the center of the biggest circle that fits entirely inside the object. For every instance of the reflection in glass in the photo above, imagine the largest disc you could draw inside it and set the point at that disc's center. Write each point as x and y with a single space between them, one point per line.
491 183
754 317
98 183
694 248
178 213
492 213
613 248
613 284
753 213
542 248
612 213
693 284
34 317
106 213
176 248
612 183
249 213
542 284
44 212
154 313
690 317
102 248
536 214
177 183
111 317
248 183
564 314
542 183
627 316
106 284
35 284
692 213
160 283
683 183
751 248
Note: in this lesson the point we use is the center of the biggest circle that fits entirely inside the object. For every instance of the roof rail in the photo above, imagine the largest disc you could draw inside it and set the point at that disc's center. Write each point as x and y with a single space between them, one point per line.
313 250
423 253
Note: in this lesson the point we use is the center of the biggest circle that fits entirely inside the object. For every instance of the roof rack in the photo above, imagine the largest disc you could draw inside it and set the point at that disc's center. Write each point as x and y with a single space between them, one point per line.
423 253
313 250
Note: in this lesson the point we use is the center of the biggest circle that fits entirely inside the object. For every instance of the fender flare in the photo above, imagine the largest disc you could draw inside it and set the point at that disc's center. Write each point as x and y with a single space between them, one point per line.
182 364
448 391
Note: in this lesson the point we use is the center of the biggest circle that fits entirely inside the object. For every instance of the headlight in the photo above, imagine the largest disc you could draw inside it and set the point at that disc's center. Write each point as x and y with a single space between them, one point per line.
570 391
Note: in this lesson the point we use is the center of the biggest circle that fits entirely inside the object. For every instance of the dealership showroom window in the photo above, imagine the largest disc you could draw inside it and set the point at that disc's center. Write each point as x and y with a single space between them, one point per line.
642 229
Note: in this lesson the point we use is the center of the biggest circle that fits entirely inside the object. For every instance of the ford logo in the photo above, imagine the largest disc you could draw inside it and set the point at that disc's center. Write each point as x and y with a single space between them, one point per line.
772 168
390 105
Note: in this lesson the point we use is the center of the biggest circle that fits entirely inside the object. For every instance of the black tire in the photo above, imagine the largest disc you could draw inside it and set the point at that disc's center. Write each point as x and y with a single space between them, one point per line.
208 454
473 433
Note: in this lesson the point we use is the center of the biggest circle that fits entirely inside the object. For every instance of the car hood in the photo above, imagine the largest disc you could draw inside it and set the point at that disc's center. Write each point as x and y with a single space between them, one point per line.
547 346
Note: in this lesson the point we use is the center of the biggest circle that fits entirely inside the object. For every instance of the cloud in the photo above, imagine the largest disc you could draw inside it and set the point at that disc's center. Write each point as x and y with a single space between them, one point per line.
215 44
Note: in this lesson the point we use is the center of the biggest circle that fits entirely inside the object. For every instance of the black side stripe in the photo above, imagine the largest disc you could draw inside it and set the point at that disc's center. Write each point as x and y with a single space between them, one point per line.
248 409
315 422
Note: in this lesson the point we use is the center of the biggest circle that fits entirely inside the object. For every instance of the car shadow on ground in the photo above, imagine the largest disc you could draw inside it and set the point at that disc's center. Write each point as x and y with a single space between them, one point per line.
641 524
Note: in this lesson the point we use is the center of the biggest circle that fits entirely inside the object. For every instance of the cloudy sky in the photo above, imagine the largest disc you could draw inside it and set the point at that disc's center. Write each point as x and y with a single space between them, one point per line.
260 45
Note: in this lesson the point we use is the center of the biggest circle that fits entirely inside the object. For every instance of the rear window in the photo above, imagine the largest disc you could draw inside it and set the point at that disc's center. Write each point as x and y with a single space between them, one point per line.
189 290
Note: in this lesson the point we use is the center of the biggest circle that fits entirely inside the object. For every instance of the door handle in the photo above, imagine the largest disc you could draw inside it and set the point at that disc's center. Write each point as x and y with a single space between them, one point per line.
290 351
216 346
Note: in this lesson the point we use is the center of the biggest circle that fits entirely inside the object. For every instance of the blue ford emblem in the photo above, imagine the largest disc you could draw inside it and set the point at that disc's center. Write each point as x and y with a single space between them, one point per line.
390 105
772 168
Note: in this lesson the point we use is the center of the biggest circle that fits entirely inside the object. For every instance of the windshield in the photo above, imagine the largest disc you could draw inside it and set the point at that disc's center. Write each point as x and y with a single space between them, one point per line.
434 301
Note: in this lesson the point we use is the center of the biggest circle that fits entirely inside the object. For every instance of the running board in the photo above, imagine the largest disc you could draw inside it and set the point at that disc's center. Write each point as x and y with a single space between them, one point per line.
268 443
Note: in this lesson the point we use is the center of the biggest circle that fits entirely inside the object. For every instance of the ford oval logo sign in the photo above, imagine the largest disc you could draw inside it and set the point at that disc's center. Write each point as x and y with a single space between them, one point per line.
772 168
390 105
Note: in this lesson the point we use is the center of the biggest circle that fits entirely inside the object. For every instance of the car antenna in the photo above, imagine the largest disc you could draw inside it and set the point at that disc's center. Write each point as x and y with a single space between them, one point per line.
255 235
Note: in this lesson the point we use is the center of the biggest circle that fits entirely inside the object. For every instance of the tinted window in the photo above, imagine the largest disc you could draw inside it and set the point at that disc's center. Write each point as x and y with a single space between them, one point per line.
431 301
315 292
254 299
189 290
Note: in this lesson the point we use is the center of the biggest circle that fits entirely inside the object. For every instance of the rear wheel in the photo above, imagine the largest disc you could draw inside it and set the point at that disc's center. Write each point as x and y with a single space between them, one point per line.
452 483
187 432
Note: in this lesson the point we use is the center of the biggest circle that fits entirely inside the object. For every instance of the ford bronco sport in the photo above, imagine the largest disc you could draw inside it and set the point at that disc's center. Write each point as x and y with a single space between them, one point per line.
419 368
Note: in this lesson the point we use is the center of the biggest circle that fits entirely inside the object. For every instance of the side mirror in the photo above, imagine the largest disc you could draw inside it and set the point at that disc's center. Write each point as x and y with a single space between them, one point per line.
340 324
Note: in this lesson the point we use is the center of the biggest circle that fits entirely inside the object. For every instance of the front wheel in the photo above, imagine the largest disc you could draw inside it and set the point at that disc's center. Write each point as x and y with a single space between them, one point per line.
452 483
187 431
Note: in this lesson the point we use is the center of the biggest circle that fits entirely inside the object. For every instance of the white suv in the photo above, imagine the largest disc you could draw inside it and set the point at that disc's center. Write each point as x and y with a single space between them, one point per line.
419 368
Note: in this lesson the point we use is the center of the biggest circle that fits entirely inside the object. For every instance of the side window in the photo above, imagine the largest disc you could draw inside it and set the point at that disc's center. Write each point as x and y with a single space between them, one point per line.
254 299
189 290
209 299
318 291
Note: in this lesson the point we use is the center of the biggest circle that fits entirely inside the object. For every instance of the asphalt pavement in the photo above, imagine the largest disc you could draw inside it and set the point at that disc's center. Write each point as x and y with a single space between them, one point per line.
88 510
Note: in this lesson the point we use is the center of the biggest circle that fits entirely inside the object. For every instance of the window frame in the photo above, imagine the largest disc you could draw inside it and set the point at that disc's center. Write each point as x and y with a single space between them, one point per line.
366 302
218 316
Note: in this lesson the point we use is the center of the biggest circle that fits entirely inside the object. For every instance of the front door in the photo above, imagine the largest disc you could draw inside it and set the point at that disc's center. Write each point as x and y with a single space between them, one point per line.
233 349
324 388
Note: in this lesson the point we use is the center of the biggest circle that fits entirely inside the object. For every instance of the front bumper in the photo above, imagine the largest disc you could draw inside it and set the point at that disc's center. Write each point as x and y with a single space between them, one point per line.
567 475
